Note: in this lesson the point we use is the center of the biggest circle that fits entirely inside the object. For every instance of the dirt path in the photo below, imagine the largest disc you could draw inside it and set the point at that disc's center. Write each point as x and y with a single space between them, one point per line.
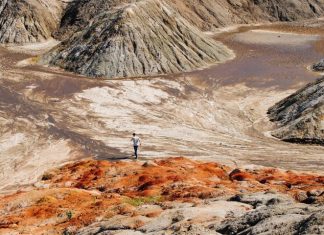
48 116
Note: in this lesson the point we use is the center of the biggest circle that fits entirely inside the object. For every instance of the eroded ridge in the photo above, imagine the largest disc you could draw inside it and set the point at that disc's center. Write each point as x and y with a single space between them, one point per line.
300 115
131 41
28 21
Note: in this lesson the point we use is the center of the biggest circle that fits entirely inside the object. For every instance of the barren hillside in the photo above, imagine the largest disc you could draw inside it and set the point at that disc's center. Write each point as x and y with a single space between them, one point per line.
300 116
134 38
211 14
130 41
28 21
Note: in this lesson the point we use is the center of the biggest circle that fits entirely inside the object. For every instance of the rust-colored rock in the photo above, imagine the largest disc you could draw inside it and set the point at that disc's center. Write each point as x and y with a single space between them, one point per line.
82 192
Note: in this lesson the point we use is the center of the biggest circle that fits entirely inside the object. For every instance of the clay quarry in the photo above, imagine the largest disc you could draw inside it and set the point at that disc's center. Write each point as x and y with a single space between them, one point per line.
227 98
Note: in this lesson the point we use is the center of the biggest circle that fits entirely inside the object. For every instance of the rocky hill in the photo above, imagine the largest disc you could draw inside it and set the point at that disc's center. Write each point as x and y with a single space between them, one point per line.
301 116
79 13
148 37
121 42
31 21
173 196
211 14
207 15
132 40
28 21
126 38
291 10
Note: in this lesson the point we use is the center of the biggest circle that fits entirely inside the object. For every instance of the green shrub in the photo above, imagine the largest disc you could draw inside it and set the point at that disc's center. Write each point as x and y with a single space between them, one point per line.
138 201
69 214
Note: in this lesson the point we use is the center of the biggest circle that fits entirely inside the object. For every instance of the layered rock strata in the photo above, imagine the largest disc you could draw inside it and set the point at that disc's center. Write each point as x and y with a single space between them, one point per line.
28 21
300 117
143 38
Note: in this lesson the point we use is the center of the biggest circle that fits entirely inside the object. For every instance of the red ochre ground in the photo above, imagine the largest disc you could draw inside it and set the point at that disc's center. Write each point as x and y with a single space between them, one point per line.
79 193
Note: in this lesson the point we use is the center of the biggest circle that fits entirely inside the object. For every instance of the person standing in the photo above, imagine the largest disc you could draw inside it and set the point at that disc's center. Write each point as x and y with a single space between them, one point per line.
136 143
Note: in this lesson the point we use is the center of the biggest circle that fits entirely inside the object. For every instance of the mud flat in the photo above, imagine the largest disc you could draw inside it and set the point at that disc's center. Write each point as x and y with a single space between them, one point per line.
214 114
269 37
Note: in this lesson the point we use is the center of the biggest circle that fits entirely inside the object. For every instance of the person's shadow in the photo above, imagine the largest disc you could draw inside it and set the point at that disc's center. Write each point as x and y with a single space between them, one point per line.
91 147
114 157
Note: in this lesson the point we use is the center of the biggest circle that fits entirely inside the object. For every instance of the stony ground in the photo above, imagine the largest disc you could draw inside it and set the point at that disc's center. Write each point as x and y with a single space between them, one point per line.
171 196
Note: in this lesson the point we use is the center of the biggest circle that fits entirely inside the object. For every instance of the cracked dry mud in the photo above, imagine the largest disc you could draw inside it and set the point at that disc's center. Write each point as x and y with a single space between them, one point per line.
49 116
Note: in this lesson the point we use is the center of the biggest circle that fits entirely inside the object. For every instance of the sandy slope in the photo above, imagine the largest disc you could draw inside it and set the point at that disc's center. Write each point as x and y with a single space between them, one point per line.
215 114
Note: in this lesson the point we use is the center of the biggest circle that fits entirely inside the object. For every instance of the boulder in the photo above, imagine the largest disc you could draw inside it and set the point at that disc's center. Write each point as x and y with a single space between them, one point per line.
319 66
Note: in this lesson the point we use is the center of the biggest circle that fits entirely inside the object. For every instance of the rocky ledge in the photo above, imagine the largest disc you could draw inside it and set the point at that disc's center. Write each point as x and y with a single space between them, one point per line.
171 196
300 117
28 21
319 66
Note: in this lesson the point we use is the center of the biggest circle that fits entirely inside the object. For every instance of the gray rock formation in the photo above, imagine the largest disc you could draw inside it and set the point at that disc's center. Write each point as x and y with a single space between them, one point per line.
207 15
301 115
79 13
28 21
319 66
125 38
290 10
273 213
31 21
277 216
142 38
210 14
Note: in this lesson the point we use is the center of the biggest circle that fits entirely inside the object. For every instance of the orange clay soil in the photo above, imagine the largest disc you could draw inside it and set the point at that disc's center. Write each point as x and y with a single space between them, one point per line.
77 194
